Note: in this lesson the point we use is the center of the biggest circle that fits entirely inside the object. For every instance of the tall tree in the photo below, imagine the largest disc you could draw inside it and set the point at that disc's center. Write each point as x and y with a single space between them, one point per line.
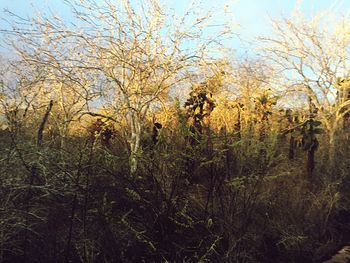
313 53
141 52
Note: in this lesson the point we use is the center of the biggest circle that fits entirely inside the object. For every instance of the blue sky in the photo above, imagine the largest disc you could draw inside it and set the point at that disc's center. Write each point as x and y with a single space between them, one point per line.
254 15
251 16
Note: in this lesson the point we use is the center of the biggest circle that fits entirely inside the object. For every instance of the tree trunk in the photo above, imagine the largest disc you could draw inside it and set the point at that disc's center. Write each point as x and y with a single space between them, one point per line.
291 153
42 125
135 141
331 126
310 162
134 145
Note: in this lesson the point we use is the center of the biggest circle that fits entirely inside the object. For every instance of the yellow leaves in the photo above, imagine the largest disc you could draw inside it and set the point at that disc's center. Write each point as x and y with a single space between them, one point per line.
133 194
209 223
197 111
224 115
342 83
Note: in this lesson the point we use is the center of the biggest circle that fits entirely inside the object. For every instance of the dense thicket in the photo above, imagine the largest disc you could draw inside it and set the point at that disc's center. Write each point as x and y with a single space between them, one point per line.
214 196
103 161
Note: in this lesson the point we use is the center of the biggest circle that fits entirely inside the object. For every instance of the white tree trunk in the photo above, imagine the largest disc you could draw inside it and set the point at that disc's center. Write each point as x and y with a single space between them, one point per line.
134 151
135 140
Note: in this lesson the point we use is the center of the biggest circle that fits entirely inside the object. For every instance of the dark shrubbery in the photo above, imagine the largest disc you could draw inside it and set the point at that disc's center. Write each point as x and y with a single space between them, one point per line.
215 200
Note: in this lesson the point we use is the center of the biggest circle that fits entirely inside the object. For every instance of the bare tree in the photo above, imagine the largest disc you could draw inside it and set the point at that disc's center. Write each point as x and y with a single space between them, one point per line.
140 52
48 64
134 53
313 53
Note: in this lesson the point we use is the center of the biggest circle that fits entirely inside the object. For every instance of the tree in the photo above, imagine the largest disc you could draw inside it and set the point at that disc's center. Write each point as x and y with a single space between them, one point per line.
313 53
44 68
252 81
139 58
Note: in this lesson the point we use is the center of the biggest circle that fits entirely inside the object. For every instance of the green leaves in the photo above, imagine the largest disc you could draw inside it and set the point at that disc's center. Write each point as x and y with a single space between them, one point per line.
306 134
313 122
318 131
310 144
133 194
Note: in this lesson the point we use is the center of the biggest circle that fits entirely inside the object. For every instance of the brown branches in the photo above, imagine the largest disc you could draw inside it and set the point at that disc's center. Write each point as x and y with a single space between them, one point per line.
42 125
93 114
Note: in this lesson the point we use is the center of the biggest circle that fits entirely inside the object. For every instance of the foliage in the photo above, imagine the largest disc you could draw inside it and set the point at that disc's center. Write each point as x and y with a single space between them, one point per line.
100 163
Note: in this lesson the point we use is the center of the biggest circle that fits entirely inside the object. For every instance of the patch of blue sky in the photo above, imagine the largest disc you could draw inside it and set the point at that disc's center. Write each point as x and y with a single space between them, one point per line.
250 18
